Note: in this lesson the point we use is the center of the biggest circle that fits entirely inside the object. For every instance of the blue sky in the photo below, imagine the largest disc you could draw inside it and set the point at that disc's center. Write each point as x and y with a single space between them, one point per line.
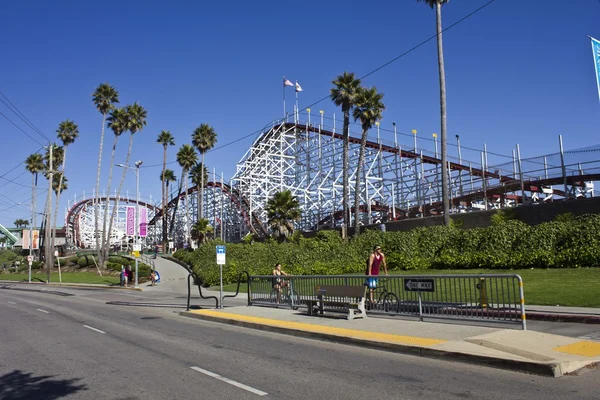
517 72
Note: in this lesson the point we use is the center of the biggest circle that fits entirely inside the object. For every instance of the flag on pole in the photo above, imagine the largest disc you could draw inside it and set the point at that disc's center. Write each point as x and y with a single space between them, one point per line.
298 87
596 52
286 82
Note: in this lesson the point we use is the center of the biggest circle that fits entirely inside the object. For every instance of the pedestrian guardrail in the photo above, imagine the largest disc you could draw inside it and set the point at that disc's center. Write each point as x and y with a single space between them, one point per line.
492 297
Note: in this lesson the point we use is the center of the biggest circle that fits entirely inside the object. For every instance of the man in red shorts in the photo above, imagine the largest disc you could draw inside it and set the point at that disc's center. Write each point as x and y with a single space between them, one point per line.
375 260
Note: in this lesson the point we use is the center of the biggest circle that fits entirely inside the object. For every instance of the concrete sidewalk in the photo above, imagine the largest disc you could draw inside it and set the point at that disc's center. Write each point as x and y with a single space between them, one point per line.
525 351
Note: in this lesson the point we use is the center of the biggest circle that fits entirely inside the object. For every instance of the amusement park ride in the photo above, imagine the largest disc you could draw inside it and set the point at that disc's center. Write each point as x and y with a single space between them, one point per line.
398 181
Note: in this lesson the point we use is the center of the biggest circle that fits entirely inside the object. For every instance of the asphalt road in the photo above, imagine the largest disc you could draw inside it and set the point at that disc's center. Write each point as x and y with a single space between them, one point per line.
77 347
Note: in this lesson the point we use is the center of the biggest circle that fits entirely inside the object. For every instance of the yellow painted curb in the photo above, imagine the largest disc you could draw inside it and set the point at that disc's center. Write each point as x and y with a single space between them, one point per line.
343 332
583 348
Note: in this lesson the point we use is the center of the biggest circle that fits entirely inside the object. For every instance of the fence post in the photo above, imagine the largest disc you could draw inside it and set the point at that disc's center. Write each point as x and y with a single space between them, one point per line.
420 307
562 166
522 300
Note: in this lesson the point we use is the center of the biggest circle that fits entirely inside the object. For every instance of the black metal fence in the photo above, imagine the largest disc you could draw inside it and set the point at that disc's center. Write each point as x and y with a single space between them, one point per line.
497 297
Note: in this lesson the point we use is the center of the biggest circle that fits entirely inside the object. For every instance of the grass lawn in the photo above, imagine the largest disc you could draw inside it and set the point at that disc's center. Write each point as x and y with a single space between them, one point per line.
67 277
577 287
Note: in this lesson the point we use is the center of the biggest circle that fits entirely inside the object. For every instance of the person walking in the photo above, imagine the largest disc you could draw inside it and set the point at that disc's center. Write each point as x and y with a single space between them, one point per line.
376 259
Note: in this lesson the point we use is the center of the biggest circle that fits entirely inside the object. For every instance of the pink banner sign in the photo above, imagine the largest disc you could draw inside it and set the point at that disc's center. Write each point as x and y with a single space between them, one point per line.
130 224
143 222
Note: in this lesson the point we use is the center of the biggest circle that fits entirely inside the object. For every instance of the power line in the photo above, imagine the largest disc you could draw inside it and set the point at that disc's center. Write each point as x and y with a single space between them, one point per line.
364 76
21 116
19 128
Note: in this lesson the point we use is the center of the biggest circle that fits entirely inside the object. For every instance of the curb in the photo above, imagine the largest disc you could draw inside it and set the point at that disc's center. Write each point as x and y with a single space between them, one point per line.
71 285
574 318
548 369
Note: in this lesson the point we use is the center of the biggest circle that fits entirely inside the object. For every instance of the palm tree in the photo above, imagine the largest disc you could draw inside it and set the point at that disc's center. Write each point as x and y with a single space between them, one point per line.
117 122
343 95
368 110
52 158
136 120
167 178
187 159
67 132
204 138
442 76
165 139
282 210
20 223
104 98
34 164
59 184
201 230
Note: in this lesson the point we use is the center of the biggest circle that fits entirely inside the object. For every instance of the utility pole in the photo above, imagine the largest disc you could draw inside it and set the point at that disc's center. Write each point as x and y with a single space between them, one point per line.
49 252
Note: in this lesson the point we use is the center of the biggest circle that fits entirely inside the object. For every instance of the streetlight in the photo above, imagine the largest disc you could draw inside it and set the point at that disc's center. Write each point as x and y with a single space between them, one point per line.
137 210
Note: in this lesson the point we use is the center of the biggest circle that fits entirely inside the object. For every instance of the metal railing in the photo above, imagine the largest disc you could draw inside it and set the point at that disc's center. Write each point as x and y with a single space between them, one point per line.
494 297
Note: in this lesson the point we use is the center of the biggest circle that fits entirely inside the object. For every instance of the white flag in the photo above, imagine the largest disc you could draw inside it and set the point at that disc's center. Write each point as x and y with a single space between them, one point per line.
286 82
298 87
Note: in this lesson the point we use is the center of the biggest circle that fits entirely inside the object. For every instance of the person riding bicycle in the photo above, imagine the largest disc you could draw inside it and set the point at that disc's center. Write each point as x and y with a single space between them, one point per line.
277 281
375 260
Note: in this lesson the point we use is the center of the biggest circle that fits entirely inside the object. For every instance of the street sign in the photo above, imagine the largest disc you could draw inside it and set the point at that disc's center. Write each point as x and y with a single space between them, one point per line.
136 254
30 259
55 253
419 285
220 255
137 247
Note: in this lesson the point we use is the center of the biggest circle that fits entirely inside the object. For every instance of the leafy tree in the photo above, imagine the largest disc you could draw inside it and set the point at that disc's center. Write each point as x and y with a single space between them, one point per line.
283 209
343 94
104 98
368 109
187 159
117 122
166 139
442 77
204 138
136 120
201 230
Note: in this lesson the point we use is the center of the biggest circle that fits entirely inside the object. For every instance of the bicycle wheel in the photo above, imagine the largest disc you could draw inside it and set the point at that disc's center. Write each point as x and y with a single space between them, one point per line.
293 299
391 303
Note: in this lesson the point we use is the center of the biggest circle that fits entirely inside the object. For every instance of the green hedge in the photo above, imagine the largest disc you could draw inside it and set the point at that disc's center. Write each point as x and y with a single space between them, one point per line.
509 244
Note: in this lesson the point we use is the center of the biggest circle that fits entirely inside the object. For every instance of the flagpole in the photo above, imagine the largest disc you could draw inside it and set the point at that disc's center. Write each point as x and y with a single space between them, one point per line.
297 110
284 116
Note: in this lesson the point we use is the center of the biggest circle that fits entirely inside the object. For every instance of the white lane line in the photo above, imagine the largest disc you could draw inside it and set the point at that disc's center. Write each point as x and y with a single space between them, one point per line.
11 302
94 329
44 311
231 382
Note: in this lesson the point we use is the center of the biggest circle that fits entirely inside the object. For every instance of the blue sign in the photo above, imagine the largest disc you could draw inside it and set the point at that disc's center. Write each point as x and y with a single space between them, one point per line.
220 249
596 51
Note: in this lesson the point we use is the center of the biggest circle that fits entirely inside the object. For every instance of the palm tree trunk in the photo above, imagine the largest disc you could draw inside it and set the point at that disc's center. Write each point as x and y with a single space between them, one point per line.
201 191
32 209
58 193
97 199
361 161
34 206
345 167
164 200
114 210
172 224
187 211
445 187
103 253
47 216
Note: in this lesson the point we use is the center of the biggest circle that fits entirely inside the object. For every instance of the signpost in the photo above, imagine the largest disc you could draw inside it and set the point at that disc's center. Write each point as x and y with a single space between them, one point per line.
220 263
29 261
58 260
419 285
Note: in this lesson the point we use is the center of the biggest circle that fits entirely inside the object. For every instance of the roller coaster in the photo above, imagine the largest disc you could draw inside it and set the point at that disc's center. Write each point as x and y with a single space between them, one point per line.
397 182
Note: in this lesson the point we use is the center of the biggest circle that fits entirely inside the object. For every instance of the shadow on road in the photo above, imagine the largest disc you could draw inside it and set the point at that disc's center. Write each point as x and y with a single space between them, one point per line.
18 385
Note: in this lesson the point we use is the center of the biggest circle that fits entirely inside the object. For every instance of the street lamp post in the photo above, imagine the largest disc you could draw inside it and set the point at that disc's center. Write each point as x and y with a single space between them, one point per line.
137 211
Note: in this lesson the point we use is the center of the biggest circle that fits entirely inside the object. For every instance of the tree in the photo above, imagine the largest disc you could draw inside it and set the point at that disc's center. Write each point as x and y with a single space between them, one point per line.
117 122
59 184
21 223
34 164
167 177
442 76
282 210
53 158
165 139
104 98
201 230
136 120
204 138
187 159
368 109
344 95
67 132
196 175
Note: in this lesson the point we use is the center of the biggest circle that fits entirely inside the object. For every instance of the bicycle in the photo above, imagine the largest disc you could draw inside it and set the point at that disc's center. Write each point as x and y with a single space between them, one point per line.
287 295
386 301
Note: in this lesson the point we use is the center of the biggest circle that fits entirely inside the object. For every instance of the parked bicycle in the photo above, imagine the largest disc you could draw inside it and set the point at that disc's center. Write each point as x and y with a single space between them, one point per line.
385 300
287 296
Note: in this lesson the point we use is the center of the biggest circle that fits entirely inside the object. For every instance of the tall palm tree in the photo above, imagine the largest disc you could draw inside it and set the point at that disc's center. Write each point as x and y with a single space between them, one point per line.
67 132
344 95
118 121
204 138
442 76
104 97
368 109
282 210
59 184
34 164
167 177
136 120
187 159
165 139
201 230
